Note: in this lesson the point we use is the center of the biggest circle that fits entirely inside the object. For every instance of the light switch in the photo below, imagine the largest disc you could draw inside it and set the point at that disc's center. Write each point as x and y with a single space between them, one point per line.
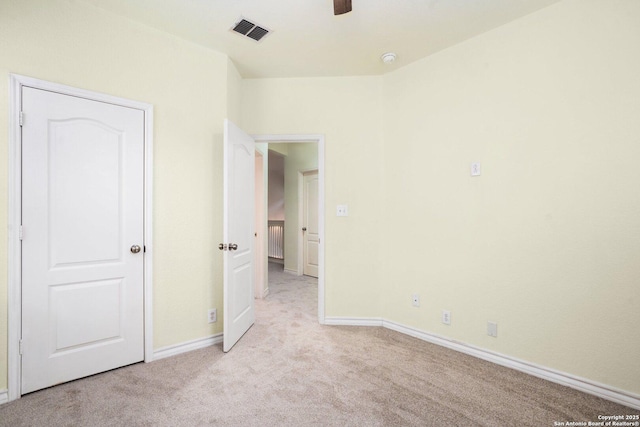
475 169
492 329
342 210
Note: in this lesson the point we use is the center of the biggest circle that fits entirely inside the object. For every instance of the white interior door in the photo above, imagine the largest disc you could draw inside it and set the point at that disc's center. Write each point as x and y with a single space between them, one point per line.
310 223
239 197
82 212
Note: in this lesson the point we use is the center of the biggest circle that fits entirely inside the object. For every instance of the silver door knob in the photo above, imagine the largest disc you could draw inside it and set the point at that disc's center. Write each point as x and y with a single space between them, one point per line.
222 247
304 228
135 249
233 247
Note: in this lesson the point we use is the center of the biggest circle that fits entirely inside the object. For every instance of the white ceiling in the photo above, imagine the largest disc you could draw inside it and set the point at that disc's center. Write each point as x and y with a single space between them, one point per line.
308 40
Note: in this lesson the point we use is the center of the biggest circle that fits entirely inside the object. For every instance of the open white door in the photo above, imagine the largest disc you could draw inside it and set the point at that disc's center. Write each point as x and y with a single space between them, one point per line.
239 168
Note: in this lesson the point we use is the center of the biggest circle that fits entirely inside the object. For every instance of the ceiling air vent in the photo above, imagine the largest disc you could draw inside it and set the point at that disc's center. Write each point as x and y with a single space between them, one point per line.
249 29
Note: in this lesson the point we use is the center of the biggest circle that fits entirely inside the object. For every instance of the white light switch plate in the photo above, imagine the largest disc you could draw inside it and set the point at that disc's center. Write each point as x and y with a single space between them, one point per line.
492 329
342 210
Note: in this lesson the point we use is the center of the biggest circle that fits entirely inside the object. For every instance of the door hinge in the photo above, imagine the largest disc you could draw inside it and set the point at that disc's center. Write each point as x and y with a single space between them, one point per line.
20 347
20 233
21 118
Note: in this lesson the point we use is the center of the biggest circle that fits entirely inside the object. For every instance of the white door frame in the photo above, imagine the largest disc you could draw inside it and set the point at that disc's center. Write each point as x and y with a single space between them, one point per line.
319 140
15 215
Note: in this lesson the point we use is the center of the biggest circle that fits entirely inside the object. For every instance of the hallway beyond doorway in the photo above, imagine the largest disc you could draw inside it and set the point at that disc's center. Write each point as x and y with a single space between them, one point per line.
297 293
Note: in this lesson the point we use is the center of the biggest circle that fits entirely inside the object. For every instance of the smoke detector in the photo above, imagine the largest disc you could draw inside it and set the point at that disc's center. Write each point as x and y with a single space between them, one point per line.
388 57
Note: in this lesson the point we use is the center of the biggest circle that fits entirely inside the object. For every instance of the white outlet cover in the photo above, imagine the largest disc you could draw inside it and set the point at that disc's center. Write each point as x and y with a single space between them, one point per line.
475 169
212 315
446 317
342 210
415 300
492 329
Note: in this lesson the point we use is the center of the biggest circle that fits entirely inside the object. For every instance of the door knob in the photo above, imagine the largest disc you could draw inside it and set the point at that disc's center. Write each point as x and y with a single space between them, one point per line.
233 246
135 249
304 228
222 246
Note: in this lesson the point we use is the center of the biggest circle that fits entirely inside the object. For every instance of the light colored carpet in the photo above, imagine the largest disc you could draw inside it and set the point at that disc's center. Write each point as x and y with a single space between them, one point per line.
290 371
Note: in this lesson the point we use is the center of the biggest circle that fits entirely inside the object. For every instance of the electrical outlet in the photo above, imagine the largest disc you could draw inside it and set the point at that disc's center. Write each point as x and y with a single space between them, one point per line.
212 315
415 300
475 169
342 210
446 317
492 329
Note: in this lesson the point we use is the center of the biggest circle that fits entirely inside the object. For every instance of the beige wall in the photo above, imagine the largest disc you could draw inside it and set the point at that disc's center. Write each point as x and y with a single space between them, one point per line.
348 112
70 43
547 241
233 94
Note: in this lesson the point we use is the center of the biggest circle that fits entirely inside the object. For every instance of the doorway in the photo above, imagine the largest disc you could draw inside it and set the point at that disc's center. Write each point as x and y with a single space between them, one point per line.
317 142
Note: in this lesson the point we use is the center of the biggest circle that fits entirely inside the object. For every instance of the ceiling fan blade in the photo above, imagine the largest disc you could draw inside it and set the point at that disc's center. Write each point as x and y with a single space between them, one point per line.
341 6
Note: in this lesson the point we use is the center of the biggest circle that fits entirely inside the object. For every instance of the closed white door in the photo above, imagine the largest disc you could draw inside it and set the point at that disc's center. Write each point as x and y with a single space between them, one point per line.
82 217
310 223
239 198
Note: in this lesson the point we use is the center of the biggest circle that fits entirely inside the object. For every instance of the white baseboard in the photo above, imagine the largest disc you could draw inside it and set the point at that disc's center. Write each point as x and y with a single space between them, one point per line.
582 384
294 272
185 347
4 396
353 321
